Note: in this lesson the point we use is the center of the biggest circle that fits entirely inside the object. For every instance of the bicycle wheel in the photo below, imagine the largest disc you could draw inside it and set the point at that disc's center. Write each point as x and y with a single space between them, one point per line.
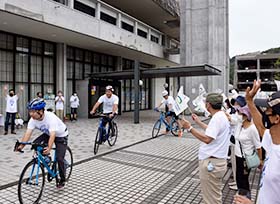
97 140
31 183
174 128
156 128
68 163
113 134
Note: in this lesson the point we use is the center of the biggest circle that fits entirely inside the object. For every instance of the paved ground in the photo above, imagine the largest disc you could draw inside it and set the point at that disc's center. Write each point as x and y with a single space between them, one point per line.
161 170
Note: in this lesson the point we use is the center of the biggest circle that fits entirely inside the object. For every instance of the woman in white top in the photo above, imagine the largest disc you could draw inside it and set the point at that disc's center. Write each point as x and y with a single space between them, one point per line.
247 136
59 105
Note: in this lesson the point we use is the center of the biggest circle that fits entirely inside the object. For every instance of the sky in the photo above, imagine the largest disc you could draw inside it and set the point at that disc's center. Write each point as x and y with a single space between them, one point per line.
254 25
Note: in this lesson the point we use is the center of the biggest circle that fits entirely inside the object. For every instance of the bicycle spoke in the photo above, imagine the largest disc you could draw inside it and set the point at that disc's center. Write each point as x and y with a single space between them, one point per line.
31 183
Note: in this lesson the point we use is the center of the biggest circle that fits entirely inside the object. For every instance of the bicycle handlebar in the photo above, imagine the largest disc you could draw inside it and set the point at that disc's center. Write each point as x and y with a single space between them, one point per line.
34 145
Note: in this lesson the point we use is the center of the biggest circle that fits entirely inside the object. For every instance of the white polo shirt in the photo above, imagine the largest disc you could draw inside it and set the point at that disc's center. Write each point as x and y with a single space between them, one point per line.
218 129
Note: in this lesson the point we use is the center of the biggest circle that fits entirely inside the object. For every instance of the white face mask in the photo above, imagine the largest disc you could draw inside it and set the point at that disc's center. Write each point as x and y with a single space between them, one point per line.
240 118
75 94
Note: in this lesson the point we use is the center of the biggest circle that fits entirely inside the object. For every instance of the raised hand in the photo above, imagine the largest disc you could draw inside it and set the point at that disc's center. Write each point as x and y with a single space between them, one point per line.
250 93
195 118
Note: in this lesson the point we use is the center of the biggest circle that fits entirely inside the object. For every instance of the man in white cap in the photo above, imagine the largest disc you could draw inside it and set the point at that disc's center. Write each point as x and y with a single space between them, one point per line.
170 102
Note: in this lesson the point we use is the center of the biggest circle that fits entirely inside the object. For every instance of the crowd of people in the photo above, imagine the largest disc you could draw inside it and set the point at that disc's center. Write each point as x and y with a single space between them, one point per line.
245 128
237 125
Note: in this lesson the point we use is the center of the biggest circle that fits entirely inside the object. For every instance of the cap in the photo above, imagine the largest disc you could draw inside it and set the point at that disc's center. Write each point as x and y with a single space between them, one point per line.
241 101
273 102
245 110
109 87
214 99
164 93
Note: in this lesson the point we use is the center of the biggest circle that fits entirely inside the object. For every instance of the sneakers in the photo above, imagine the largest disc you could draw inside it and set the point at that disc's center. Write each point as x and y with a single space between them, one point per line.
60 185
13 132
180 133
234 187
5 133
232 183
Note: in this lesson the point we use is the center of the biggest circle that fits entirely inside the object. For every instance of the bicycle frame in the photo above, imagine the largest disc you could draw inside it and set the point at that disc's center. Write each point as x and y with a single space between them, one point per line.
41 160
163 120
101 127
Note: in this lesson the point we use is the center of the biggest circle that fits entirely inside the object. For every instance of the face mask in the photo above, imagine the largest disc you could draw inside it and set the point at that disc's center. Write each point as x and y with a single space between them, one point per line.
60 94
266 122
11 94
239 118
75 94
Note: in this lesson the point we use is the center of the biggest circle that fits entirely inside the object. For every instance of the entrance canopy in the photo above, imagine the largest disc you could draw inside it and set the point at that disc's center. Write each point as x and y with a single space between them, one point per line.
179 71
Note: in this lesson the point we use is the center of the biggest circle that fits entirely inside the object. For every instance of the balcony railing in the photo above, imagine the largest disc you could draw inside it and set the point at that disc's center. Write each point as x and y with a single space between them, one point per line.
98 9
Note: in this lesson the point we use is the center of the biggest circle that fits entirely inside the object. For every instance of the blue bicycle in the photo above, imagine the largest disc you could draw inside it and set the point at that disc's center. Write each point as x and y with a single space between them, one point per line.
172 126
104 134
32 179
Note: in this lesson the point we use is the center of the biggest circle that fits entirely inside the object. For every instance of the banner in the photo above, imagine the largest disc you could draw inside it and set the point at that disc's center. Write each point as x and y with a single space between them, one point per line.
181 102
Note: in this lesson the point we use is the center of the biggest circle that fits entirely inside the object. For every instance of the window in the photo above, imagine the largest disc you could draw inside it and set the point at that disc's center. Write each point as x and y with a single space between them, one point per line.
142 33
6 41
26 62
154 39
36 47
6 66
36 69
127 27
22 44
108 18
84 8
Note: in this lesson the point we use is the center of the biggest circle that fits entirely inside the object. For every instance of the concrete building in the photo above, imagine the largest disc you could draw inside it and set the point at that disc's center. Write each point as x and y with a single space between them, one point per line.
249 67
51 45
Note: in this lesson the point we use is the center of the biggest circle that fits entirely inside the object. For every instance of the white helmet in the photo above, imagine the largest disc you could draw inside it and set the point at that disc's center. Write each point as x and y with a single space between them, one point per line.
164 93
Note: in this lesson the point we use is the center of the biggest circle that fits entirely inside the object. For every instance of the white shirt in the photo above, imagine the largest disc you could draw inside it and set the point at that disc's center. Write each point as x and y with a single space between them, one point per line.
218 129
49 123
74 101
59 104
11 106
108 103
270 181
169 101
249 139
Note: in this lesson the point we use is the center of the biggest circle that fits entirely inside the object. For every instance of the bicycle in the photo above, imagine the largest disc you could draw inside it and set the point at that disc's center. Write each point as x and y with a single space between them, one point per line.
172 126
103 134
32 178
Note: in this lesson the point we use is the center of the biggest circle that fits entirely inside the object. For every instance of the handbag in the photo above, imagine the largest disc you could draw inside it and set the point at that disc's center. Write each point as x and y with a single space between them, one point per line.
252 160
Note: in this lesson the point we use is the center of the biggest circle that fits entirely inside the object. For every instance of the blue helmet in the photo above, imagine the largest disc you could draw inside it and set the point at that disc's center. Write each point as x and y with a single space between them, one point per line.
36 104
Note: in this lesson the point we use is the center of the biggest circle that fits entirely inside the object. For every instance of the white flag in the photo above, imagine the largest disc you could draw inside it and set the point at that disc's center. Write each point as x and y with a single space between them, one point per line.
181 102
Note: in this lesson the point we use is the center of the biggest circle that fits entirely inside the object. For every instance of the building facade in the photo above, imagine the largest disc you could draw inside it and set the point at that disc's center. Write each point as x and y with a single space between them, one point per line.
51 45
253 66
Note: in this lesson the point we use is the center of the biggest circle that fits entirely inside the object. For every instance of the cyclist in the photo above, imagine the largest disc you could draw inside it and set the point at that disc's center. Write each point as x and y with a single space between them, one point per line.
170 102
110 106
54 131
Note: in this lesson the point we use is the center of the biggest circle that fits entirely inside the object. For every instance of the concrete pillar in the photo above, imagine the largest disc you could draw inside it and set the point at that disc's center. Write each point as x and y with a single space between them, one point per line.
149 34
61 70
98 10
119 20
258 68
71 4
204 40
136 91
135 27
